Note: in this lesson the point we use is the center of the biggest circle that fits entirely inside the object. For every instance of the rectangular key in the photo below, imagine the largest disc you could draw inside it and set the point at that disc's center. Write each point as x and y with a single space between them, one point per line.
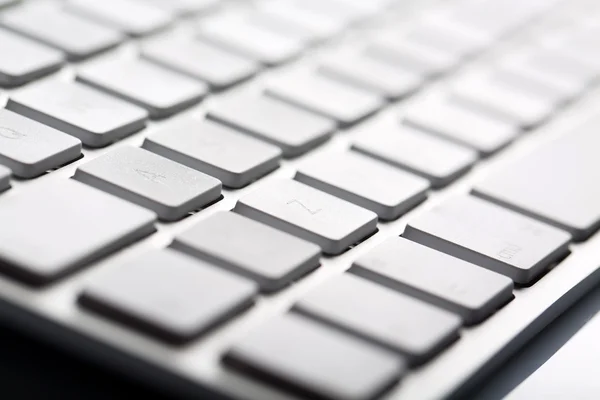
556 183
200 60
230 156
238 33
161 91
449 119
135 18
169 189
490 236
308 213
322 95
435 159
437 278
186 7
95 118
169 295
366 72
28 60
270 257
51 25
411 56
50 230
497 97
396 321
294 130
312 360
364 181
308 23
30 148
4 178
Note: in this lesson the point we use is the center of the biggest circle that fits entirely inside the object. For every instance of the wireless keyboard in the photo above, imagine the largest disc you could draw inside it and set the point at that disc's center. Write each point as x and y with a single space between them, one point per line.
287 199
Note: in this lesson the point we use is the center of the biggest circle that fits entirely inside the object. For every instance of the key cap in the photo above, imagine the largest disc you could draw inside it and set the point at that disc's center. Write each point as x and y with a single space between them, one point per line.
200 60
411 56
159 90
168 295
365 72
437 278
437 160
169 189
396 321
346 12
240 34
556 183
314 361
499 98
28 60
186 7
550 73
270 257
451 120
310 214
30 148
55 27
307 23
364 181
490 236
322 95
292 129
91 116
233 158
48 231
4 178
136 18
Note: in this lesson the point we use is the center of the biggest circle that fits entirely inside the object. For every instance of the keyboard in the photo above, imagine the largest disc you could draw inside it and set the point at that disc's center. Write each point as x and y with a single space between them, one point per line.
298 199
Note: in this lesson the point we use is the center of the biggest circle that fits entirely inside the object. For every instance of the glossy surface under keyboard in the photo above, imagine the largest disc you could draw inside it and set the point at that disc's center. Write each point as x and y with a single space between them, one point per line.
231 223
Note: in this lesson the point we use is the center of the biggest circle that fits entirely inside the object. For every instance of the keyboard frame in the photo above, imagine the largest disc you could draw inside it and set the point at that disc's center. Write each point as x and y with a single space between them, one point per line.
52 314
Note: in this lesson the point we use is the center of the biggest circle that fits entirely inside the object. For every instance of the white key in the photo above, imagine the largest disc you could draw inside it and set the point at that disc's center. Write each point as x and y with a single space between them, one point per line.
322 95
308 213
366 72
52 229
28 60
53 26
364 181
451 120
169 189
161 91
557 183
168 295
490 236
30 148
445 281
418 152
95 118
200 60
551 73
186 7
497 97
234 158
396 321
411 56
347 12
301 355
240 34
269 256
308 23
4 178
135 18
292 129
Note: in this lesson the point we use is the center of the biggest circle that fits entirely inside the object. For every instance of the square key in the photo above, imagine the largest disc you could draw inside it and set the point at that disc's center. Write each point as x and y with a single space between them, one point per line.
269 256
168 295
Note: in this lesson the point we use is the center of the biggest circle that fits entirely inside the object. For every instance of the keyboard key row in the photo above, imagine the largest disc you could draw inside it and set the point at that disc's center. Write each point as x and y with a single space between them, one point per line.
30 148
